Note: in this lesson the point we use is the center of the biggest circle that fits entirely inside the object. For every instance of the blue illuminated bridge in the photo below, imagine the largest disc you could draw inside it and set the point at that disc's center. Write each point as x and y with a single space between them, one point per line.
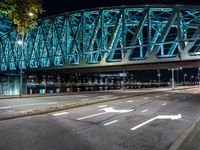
124 37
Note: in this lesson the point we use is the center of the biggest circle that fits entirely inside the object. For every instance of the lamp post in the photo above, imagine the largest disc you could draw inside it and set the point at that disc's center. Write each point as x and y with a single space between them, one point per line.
159 77
177 75
198 75
21 42
185 75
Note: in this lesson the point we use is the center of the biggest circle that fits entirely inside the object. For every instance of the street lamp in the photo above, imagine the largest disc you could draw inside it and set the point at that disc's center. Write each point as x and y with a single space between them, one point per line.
20 42
30 14
159 75
198 75
191 78
180 68
185 75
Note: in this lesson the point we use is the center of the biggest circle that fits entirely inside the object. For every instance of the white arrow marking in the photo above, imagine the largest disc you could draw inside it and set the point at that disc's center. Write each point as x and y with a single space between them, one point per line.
172 117
112 110
106 110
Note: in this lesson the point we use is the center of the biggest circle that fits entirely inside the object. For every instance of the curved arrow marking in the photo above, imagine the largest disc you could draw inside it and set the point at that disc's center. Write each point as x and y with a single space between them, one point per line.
172 117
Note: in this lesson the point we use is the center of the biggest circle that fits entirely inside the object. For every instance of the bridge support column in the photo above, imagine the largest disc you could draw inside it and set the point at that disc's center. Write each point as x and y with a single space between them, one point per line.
172 78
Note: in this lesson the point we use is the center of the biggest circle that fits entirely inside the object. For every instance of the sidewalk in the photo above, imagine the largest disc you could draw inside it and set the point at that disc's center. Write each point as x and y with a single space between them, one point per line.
192 141
146 90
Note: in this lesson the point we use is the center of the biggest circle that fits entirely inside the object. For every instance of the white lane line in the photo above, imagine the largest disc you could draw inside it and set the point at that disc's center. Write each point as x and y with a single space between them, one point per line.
146 98
106 124
6 107
176 100
164 104
157 96
102 106
59 114
166 94
98 114
145 110
129 101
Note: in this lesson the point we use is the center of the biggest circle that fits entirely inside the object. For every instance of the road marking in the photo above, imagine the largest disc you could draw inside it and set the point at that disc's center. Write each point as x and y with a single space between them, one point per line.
85 99
51 103
81 118
145 110
101 106
112 110
166 94
106 110
146 98
160 117
79 96
176 100
129 101
106 124
164 104
6 107
157 95
59 114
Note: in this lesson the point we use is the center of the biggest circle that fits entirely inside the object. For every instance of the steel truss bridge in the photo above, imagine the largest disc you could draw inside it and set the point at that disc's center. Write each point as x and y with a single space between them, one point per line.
115 36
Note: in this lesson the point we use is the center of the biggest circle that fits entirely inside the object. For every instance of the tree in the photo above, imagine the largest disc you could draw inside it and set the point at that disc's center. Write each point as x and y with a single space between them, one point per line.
23 13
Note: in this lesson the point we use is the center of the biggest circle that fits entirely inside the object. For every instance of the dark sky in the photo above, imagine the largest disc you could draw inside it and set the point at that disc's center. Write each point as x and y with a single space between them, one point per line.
54 7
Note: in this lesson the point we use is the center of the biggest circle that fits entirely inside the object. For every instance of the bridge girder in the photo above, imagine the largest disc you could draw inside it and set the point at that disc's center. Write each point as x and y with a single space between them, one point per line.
106 37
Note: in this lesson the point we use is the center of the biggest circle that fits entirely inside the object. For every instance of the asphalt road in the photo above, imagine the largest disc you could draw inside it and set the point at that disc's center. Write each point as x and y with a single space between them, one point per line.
149 122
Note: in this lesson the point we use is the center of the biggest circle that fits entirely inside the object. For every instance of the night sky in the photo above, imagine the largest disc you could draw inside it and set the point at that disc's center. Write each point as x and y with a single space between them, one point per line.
54 7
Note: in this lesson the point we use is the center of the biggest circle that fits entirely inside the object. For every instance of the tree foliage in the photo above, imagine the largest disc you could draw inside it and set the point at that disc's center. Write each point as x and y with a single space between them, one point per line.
19 12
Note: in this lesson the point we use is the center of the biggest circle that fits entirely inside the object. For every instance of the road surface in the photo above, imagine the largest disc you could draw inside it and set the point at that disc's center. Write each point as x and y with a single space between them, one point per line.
149 122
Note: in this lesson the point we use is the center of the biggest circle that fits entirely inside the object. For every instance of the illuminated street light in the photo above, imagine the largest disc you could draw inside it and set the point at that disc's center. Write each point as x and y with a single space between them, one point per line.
19 42
185 75
30 14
